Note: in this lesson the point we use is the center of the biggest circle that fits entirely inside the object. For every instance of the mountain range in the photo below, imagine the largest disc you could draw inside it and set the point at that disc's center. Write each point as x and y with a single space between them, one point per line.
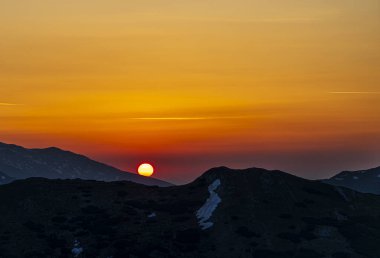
17 162
224 213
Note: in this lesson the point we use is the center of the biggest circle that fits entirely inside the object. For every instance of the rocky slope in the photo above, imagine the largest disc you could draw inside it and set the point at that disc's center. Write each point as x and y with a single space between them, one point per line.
4 178
224 213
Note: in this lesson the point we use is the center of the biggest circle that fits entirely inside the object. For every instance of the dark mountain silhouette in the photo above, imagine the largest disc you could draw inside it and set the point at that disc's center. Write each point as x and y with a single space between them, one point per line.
53 163
224 213
365 181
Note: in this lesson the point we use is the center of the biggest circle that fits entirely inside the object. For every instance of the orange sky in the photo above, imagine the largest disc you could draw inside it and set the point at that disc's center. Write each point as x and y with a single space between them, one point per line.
188 85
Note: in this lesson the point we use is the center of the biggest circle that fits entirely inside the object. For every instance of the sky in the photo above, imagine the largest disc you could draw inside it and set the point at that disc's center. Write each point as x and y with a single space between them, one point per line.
189 85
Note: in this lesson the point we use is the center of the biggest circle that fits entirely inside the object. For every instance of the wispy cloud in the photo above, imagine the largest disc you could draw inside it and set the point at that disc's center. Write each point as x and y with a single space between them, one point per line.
355 92
188 118
8 104
168 118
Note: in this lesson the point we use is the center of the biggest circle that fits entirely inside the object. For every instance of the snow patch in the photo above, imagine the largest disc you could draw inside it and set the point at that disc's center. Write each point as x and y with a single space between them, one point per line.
378 175
205 212
77 250
355 177
338 178
342 193
152 215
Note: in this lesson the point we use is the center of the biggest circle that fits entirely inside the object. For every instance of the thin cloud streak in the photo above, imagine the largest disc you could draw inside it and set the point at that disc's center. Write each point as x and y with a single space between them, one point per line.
8 104
188 118
354 92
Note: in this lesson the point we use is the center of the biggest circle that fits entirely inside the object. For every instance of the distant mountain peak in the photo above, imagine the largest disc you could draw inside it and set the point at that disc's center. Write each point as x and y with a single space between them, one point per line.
366 181
53 149
226 170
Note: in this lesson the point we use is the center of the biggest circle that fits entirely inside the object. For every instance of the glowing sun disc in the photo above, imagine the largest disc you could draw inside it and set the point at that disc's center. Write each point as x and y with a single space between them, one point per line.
145 169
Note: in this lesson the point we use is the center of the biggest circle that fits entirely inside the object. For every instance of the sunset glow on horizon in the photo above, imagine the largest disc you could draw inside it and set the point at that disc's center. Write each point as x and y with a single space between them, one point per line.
285 84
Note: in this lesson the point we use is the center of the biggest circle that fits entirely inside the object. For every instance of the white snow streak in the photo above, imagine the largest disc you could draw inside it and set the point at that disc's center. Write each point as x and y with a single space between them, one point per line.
152 215
205 212
77 250
342 193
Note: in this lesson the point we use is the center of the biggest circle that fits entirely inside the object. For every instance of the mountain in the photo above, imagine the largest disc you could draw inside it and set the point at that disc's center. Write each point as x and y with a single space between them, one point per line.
365 181
53 163
224 213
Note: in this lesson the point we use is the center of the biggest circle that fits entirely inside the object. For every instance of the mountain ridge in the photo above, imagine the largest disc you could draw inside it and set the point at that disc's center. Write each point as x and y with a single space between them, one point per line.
19 163
365 181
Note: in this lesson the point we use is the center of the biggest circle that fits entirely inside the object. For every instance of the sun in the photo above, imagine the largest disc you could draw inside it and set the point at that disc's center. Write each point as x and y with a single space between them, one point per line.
145 169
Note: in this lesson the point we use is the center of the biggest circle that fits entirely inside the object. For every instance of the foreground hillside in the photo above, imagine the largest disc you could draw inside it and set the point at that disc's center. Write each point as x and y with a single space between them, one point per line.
224 213
17 162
